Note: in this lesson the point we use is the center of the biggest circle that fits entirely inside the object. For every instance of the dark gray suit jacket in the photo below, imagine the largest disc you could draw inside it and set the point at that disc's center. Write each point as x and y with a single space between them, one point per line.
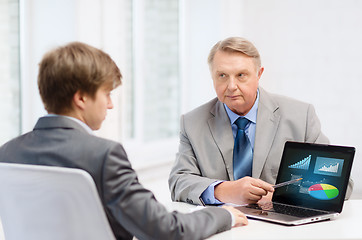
206 143
131 209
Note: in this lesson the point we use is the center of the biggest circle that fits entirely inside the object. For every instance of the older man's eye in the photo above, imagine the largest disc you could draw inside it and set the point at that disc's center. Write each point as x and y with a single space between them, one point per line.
222 75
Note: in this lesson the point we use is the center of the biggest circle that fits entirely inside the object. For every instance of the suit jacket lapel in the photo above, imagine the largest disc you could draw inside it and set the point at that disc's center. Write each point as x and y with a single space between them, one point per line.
221 131
266 127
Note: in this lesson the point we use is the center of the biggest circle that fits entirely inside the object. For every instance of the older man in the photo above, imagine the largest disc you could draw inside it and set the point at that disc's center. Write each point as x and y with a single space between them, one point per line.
230 148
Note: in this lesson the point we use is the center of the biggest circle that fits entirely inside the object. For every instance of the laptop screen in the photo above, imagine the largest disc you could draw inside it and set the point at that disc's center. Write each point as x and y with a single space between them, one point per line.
325 171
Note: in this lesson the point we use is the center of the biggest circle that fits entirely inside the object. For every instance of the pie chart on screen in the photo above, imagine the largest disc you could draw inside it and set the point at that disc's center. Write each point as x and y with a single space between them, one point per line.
323 191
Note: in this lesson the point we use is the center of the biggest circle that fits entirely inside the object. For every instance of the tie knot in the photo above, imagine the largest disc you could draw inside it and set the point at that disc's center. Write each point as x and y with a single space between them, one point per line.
241 122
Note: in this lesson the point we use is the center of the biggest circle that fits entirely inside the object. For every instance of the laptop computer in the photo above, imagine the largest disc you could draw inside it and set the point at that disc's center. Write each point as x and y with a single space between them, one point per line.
319 176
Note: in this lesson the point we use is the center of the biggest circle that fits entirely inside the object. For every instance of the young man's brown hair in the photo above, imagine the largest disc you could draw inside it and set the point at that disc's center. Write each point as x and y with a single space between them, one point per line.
75 66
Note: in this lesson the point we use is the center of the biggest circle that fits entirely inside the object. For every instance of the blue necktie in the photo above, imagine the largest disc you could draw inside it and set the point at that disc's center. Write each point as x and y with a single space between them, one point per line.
243 153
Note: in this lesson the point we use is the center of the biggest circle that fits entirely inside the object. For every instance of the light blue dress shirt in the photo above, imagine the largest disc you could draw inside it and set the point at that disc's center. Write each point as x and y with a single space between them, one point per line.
208 195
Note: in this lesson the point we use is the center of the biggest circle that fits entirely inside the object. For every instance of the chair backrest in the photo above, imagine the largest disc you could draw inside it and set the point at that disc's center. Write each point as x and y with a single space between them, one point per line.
43 202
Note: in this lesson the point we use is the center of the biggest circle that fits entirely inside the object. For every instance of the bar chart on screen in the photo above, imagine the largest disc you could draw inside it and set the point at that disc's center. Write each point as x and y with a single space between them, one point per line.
329 166
302 164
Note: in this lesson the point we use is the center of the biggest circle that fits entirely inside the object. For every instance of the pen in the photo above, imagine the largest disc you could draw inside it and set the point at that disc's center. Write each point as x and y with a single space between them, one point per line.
287 183
202 202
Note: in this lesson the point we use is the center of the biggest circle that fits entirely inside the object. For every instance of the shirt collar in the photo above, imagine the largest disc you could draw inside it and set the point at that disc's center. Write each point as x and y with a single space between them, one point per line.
85 126
251 115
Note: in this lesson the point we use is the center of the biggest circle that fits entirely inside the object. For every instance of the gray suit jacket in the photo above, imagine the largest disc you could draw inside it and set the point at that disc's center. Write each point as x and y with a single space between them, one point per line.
130 208
206 143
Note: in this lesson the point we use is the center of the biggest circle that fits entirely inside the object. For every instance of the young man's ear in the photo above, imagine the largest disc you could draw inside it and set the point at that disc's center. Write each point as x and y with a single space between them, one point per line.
79 99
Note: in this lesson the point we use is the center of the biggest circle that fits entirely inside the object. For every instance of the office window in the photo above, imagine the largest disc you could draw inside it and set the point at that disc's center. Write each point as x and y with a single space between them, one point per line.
143 38
156 86
9 70
147 120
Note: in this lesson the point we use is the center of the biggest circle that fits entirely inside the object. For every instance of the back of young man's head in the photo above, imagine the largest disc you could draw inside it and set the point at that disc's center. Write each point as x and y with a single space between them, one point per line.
71 68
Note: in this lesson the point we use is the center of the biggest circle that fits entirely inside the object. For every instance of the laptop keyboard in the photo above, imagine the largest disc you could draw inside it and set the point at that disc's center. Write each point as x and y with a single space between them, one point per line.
286 209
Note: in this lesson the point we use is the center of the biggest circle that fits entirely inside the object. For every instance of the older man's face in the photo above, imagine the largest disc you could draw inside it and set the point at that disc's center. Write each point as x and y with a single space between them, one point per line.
236 80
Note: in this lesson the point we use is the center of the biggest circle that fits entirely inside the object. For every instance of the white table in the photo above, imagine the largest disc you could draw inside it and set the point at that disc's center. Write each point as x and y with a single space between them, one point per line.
348 225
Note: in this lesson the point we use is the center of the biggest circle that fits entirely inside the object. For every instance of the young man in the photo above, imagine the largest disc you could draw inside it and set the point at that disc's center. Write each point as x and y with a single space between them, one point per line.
75 82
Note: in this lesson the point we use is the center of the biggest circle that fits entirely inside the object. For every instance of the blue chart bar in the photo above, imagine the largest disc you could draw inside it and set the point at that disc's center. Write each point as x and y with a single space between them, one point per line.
302 164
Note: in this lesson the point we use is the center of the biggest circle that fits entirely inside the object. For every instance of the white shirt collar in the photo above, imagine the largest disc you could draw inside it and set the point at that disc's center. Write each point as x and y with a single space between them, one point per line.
85 126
